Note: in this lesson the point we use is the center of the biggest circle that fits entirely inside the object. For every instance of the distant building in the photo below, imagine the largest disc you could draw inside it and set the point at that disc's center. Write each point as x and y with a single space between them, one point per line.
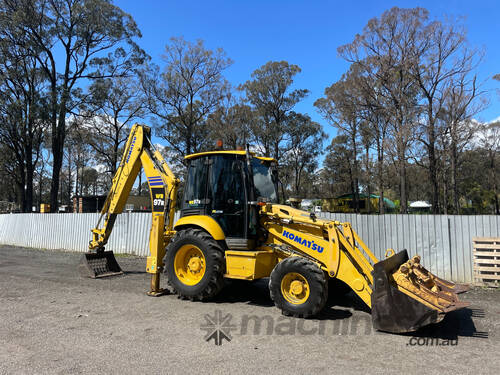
308 204
345 203
94 203
420 206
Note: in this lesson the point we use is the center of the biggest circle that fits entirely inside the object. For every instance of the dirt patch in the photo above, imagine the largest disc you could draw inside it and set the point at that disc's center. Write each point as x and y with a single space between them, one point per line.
54 321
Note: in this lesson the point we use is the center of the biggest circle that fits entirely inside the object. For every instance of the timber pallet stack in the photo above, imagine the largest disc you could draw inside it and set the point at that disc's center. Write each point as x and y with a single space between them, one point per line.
487 261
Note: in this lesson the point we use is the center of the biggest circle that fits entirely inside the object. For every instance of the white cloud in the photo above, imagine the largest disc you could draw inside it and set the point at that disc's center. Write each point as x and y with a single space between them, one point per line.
97 121
494 120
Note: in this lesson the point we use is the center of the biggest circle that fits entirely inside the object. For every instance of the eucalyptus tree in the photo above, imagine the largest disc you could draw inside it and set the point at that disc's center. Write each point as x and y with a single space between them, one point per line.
73 41
184 92
304 146
270 94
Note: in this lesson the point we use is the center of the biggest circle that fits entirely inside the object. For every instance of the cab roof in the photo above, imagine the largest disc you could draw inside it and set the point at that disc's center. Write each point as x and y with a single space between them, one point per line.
226 152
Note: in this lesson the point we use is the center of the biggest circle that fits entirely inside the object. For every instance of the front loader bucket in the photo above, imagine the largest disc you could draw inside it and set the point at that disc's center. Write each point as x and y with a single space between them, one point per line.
99 264
406 296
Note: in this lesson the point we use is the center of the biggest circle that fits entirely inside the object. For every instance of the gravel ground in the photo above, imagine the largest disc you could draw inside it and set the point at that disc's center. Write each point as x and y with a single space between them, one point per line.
52 321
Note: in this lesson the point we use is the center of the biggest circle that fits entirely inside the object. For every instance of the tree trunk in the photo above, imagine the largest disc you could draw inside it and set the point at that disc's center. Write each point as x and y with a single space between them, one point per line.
454 185
40 189
369 208
283 193
115 150
58 137
69 178
445 193
29 185
380 178
21 184
431 149
297 183
355 173
403 208
27 173
56 172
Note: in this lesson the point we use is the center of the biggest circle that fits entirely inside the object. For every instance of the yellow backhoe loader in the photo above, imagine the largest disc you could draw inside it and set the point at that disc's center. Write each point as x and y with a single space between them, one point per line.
231 226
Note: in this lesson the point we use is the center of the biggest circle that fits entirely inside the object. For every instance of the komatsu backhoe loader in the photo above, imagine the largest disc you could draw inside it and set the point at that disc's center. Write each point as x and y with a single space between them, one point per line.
231 226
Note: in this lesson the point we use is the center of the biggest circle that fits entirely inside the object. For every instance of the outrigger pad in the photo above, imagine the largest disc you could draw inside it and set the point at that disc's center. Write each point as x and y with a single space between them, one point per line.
99 264
392 310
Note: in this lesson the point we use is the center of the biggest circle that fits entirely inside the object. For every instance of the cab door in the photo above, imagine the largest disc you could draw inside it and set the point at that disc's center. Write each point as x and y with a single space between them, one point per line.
227 193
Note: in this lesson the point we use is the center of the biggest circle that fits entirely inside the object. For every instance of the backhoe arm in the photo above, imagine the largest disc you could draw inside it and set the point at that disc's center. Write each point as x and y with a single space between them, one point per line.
123 181
140 153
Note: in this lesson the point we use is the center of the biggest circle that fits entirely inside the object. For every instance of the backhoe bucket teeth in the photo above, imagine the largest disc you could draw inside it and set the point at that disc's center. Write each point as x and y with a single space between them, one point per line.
99 264
406 296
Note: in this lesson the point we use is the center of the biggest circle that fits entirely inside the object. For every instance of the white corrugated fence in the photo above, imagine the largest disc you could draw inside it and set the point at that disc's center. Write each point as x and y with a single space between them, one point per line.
443 241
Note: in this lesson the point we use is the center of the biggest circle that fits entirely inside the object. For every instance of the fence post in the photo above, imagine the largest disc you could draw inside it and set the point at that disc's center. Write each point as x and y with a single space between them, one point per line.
449 248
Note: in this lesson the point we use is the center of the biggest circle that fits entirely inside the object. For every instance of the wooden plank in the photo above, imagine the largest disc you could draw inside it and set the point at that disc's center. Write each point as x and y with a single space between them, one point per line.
487 261
486 254
486 251
486 239
488 277
487 268
487 246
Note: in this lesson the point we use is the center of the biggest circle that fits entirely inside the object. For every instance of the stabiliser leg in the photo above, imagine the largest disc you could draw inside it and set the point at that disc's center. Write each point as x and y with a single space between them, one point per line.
156 291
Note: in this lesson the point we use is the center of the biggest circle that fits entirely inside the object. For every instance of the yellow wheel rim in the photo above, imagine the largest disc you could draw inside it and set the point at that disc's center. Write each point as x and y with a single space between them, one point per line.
295 288
189 264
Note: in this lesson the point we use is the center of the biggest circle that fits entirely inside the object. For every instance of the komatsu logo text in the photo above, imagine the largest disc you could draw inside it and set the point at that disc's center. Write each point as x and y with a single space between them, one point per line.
302 241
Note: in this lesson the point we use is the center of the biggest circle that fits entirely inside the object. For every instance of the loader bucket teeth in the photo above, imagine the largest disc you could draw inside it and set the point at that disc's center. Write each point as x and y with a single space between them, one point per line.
99 264
406 296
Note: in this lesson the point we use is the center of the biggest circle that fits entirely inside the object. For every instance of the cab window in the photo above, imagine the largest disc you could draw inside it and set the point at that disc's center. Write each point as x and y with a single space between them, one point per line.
196 188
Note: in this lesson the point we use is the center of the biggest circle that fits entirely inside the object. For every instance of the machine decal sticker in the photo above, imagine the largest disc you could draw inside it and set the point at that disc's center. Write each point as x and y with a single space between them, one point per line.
155 181
158 196
302 241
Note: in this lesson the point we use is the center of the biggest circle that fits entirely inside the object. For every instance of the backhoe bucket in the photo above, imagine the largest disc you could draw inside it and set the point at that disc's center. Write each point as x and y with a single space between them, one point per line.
99 264
406 296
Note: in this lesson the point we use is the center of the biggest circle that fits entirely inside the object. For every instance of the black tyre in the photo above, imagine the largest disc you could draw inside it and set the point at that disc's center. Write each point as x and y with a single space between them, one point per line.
194 265
338 288
298 287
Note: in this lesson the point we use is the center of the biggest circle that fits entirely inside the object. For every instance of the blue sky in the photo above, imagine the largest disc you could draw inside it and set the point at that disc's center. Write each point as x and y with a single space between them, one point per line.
306 33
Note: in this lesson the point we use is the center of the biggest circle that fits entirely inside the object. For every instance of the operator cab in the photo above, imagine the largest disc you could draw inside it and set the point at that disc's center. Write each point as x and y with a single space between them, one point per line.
226 185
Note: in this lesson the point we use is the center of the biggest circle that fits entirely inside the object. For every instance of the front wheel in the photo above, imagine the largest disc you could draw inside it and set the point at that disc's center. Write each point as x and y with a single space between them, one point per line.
298 287
194 264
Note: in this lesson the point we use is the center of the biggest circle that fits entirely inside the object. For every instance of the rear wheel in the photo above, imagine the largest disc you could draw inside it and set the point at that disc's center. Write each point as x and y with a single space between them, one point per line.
194 264
298 287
